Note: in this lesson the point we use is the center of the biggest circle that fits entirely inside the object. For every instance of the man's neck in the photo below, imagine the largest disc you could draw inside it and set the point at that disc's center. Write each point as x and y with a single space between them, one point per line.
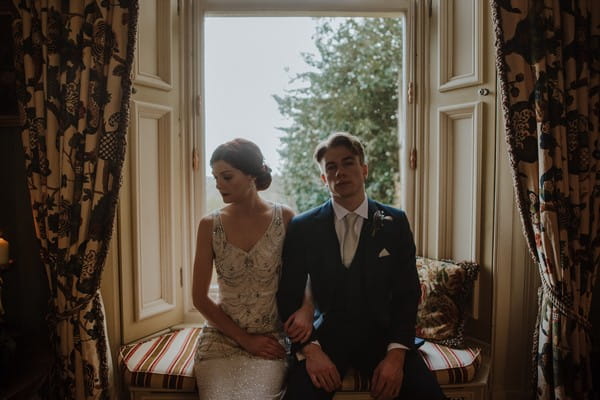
350 203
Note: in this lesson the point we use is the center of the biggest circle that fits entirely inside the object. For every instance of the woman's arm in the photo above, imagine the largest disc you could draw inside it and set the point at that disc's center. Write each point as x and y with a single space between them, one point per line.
259 345
300 324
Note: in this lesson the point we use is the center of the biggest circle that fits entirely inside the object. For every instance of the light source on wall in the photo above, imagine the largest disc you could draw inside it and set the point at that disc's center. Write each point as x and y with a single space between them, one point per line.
5 262
7 342
4 251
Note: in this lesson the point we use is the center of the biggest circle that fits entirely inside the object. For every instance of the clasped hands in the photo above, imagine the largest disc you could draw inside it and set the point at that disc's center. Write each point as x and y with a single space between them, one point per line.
386 381
298 327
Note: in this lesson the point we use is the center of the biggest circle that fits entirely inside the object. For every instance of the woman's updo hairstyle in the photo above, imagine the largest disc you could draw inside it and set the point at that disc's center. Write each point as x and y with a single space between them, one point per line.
245 156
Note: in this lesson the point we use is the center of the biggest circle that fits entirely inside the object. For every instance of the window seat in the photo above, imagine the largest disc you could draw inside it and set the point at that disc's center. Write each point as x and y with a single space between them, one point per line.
162 368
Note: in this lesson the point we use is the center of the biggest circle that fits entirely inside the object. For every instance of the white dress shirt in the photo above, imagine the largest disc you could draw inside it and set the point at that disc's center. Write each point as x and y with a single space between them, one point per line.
340 228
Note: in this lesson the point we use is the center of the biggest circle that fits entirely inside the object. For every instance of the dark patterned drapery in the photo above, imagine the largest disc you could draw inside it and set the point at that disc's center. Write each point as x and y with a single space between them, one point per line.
74 61
549 65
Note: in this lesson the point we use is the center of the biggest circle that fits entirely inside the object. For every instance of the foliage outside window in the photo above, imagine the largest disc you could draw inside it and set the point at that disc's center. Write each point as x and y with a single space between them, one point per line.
352 87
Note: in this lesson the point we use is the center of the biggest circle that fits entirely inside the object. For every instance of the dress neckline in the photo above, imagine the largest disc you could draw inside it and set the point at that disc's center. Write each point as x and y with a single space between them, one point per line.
264 234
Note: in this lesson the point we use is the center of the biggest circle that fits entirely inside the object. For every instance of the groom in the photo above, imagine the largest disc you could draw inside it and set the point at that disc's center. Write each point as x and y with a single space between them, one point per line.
360 257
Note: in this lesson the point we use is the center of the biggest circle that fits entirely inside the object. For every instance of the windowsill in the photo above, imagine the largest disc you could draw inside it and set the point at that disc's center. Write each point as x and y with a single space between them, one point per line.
186 325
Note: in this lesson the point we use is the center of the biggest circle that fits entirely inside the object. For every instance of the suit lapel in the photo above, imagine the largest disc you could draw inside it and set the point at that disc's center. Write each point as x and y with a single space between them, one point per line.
369 245
329 239
366 244
367 228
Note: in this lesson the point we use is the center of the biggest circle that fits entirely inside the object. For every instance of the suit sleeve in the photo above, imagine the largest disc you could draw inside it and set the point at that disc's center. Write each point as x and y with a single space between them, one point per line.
406 289
293 272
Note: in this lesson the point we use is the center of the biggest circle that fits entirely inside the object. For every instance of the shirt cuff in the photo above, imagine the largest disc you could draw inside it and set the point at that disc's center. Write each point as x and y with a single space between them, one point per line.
300 356
396 346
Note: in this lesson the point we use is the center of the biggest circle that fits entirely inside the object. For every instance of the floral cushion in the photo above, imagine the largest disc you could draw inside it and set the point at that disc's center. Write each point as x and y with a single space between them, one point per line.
446 289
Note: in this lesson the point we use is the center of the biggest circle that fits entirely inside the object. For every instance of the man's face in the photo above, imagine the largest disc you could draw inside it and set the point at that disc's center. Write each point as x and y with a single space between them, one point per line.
343 173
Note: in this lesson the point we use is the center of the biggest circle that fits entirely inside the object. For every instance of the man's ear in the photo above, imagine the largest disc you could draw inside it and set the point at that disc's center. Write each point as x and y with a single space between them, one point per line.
323 179
365 169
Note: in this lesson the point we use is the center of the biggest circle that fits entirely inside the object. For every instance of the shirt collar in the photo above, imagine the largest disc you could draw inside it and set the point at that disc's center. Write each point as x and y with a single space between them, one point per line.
362 209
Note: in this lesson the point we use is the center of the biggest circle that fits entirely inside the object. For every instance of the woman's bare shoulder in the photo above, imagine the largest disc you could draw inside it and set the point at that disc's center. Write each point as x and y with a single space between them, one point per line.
287 213
206 223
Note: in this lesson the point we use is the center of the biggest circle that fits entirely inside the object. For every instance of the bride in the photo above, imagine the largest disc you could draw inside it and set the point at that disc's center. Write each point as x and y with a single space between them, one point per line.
242 349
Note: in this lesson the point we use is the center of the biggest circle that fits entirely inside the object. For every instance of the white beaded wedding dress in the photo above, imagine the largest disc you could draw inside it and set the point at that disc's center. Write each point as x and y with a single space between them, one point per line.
248 284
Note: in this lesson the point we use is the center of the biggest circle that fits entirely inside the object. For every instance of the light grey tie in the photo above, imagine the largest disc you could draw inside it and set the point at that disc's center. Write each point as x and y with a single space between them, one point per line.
350 239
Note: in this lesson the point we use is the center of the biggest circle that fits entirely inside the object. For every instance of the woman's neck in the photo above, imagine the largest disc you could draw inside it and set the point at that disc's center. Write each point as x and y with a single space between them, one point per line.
251 205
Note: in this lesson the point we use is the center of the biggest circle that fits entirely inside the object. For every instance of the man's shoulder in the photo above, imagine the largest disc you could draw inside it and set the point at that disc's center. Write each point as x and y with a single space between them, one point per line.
312 215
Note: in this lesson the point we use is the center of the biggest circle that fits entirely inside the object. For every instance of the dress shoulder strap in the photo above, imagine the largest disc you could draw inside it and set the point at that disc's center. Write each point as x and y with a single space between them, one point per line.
278 210
218 233
278 217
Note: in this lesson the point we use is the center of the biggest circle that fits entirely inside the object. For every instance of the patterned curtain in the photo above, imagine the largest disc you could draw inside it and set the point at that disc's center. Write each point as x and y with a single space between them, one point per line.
74 61
549 66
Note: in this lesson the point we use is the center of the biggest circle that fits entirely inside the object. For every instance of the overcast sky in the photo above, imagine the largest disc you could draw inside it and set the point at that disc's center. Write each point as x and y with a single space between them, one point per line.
245 64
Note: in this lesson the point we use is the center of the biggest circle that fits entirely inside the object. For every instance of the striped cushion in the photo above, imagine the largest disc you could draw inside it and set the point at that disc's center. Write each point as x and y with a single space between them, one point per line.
354 381
166 362
451 366
163 362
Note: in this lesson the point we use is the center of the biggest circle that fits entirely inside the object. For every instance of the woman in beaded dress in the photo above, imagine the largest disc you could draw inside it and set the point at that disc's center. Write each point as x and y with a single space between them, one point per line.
242 350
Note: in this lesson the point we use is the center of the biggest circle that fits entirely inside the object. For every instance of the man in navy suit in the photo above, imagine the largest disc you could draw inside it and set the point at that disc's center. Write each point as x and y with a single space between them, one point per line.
360 257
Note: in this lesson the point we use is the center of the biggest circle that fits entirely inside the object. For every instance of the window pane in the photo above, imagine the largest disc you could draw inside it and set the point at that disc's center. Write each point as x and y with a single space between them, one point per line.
287 82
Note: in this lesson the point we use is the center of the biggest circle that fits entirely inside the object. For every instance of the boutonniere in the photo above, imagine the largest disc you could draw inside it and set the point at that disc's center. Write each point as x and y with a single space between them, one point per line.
378 220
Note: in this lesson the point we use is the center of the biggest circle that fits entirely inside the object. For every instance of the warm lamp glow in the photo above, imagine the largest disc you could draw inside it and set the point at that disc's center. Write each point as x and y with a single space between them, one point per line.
4 255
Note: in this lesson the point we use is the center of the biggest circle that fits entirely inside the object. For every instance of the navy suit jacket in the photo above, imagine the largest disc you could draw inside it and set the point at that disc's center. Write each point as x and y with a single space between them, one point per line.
391 281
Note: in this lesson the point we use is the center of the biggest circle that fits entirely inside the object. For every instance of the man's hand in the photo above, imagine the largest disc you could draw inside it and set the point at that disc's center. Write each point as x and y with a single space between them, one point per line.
321 370
299 325
264 346
387 378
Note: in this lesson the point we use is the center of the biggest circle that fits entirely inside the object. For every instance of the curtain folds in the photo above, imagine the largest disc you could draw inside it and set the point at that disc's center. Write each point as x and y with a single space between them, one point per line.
74 61
548 59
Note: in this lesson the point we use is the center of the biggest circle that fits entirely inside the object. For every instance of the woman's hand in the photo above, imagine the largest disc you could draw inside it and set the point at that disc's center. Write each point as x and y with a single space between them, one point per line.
264 346
300 324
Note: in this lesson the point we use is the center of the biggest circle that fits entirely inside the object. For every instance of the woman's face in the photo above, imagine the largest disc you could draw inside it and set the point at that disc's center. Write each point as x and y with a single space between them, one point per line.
232 183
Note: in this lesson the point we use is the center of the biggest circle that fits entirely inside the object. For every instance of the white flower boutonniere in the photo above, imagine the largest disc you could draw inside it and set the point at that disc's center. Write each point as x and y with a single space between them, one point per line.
378 220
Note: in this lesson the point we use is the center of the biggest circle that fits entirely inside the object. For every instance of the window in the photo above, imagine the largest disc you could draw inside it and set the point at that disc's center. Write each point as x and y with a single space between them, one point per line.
248 60
347 71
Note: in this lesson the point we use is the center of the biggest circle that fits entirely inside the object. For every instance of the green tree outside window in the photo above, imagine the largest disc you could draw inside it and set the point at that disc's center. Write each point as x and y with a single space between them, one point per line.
352 86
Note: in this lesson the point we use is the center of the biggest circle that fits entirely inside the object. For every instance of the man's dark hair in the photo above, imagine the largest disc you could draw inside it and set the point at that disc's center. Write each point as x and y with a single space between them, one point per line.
337 139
